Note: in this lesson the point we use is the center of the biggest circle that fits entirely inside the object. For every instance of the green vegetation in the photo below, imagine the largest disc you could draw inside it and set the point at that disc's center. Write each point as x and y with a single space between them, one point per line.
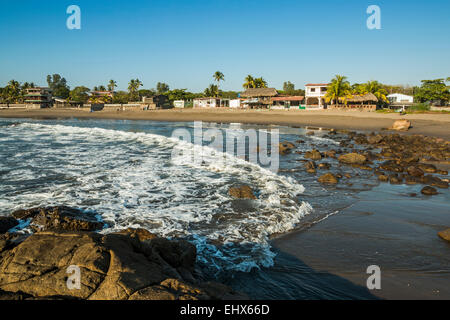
162 87
338 89
112 85
433 90
212 91
79 94
133 87
59 86
251 82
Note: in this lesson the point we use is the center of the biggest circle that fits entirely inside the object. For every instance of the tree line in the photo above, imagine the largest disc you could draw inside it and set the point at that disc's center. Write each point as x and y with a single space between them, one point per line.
339 90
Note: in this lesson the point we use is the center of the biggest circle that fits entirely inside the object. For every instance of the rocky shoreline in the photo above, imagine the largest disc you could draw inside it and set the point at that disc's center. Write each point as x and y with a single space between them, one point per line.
132 264
135 264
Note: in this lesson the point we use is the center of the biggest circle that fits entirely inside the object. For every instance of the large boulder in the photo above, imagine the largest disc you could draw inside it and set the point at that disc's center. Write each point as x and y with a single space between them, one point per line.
112 267
352 158
7 223
401 125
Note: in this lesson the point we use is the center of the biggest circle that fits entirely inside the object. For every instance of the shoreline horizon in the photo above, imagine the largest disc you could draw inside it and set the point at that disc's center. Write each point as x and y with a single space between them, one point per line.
435 125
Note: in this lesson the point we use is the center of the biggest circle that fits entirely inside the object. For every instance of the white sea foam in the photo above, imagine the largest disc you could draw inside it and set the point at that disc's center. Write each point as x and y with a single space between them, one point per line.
130 180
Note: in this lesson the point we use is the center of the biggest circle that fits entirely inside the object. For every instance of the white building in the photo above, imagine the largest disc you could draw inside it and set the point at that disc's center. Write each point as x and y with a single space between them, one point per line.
314 94
210 102
178 103
400 98
235 103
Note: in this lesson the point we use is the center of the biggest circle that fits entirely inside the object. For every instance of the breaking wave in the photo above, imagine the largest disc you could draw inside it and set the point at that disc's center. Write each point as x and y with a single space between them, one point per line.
131 180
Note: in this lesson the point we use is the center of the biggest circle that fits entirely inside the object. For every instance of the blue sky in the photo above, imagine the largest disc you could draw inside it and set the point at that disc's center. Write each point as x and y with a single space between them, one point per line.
183 43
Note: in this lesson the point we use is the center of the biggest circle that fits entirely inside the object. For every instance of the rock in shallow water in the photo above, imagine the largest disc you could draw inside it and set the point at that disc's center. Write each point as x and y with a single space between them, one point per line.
429 191
62 218
328 178
445 234
243 192
352 158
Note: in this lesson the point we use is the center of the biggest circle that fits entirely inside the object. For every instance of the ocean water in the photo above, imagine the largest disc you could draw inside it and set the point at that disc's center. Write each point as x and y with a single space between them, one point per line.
136 174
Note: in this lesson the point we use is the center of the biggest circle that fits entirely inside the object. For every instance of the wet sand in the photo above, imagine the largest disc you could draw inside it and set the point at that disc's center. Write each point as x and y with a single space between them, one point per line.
427 124
388 228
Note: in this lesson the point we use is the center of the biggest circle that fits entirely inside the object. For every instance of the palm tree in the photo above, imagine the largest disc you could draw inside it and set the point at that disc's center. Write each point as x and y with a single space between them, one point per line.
12 91
249 82
376 88
337 89
112 85
260 83
218 76
212 91
133 87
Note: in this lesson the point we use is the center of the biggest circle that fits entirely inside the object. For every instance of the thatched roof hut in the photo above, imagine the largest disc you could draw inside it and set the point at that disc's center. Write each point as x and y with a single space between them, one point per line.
259 92
368 97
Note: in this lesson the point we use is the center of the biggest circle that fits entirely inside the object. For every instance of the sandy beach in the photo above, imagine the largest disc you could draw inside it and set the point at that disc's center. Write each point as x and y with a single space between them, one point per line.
436 125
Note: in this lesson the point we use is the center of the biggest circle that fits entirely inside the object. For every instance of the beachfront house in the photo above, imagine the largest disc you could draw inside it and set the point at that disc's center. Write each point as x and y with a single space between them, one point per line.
156 102
100 96
178 104
211 102
400 98
366 102
314 95
38 97
259 97
236 103
288 102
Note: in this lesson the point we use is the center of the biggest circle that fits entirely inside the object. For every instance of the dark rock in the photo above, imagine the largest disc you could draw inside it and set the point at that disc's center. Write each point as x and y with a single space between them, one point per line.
140 234
395 179
374 139
411 180
414 171
310 167
330 154
7 223
285 148
324 166
328 178
313 155
391 165
242 192
64 218
429 191
445 235
429 168
352 158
